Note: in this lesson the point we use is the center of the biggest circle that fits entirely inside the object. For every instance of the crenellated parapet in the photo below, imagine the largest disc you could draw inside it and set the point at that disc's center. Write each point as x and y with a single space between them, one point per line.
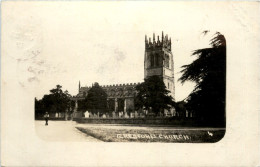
164 42
120 85
113 91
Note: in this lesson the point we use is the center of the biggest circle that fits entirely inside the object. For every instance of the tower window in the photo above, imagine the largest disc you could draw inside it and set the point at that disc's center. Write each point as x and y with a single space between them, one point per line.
167 61
152 60
156 60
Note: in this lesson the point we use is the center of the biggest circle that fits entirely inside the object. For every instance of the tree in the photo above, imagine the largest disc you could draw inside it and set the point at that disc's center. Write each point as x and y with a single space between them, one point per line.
66 98
39 108
152 93
208 71
55 102
96 100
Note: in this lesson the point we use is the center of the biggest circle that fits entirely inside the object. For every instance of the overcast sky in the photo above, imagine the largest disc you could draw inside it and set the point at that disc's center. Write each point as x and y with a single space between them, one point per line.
64 42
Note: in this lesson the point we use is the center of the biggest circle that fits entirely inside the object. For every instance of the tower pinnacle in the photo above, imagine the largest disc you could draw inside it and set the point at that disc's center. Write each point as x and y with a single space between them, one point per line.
155 44
79 85
162 36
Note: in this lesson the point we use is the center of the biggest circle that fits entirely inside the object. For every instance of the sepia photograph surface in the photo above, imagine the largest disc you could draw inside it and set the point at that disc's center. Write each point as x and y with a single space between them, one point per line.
95 79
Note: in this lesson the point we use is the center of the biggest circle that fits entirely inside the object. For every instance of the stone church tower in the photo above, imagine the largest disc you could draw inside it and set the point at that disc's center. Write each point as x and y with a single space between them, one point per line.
158 60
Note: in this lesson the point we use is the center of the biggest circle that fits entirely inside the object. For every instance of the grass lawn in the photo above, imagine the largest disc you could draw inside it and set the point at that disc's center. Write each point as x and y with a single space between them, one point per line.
152 135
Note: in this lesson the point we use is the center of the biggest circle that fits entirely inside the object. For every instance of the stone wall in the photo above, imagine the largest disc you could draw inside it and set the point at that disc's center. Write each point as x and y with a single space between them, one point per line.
139 121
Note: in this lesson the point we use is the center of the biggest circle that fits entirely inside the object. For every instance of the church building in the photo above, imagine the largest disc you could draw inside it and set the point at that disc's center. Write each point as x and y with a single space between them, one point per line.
158 60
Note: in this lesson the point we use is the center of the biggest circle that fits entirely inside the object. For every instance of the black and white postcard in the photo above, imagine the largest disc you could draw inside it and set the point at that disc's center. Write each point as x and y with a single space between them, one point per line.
129 83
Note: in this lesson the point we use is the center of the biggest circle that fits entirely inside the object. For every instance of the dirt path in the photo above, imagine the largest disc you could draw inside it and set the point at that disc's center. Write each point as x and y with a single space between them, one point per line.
61 131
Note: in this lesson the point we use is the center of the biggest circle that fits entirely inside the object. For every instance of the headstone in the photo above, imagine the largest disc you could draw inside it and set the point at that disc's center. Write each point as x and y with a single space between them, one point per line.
136 114
145 112
56 114
131 115
126 115
104 116
86 114
121 114
113 114
172 111
165 112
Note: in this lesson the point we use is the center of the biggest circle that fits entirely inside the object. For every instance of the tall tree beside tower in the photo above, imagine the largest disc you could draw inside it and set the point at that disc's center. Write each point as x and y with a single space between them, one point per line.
208 71
153 96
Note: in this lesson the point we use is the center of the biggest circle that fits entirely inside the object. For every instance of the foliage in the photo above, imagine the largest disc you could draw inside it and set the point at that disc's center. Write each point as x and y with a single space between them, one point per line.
96 100
56 101
39 108
152 93
180 108
208 71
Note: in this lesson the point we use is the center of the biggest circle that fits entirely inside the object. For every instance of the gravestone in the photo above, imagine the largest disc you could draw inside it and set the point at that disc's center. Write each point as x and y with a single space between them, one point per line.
120 114
126 115
136 114
132 114
86 114
113 114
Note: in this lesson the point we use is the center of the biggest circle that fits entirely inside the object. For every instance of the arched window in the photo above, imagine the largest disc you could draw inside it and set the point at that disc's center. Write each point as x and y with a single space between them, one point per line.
156 60
152 60
167 61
